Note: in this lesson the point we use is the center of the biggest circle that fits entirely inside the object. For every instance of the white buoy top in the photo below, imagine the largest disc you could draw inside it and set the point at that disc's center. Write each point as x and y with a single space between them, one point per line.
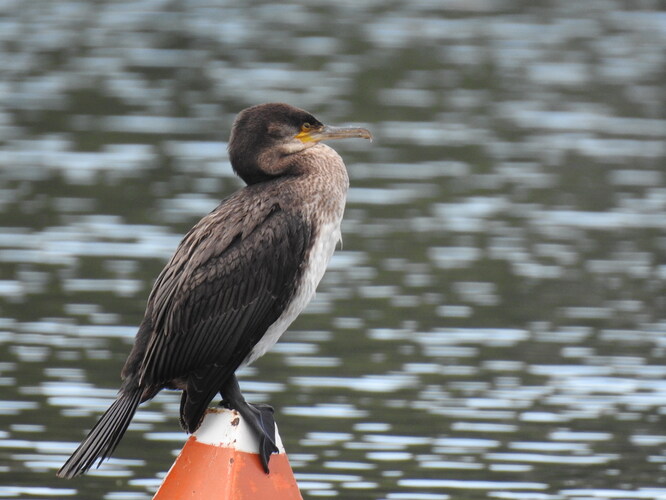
227 429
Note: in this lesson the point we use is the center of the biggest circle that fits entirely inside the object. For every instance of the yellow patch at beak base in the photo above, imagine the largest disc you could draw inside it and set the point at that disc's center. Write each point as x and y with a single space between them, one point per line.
305 136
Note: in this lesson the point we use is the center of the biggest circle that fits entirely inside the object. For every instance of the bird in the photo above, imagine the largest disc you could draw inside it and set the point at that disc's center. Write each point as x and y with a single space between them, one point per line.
237 280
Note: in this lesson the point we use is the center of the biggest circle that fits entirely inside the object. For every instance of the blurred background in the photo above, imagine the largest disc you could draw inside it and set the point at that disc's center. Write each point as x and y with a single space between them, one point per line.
495 326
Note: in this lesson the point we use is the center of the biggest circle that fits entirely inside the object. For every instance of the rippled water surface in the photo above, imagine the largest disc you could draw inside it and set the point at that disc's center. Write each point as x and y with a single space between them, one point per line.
495 325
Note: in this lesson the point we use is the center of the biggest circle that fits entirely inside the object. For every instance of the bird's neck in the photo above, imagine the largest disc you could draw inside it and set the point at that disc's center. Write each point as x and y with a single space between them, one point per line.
321 181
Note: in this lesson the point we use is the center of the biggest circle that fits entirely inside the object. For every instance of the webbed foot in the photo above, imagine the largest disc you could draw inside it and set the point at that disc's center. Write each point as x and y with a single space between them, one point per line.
258 416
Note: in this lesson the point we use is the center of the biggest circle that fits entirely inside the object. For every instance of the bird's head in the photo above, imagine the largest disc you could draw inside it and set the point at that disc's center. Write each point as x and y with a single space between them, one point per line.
264 135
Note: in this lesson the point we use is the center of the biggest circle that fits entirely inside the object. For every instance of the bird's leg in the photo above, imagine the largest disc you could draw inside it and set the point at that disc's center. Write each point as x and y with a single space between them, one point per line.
258 416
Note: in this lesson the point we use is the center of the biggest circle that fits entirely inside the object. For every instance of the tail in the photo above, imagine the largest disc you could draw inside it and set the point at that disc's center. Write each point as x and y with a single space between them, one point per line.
104 437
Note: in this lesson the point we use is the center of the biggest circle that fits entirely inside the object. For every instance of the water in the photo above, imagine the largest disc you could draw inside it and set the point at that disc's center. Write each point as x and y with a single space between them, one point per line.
495 325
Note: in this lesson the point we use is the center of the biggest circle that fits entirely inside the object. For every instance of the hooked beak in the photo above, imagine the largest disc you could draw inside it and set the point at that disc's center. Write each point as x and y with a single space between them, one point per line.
327 133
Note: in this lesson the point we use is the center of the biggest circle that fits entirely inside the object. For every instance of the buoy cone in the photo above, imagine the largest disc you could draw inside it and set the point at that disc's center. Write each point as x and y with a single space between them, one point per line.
220 461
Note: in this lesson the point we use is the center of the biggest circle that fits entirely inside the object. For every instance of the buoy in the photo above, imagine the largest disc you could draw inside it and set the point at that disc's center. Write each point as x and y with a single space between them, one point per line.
220 461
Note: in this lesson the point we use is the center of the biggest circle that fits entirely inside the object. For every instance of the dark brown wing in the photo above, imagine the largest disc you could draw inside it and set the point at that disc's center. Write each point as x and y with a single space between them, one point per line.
230 279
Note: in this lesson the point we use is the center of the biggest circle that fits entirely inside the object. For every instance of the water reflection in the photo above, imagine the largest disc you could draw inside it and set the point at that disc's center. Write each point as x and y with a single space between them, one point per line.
494 325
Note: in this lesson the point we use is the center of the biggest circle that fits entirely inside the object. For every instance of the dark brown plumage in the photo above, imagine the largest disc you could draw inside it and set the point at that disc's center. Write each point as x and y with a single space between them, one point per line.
237 279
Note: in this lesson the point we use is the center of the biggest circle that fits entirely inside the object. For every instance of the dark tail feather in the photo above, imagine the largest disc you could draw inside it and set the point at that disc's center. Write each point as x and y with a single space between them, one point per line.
104 437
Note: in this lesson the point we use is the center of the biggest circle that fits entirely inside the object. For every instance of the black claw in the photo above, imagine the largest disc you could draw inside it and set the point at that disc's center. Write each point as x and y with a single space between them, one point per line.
259 417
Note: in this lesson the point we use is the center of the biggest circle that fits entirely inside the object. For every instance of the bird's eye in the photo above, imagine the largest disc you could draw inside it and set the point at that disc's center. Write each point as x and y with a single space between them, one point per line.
306 127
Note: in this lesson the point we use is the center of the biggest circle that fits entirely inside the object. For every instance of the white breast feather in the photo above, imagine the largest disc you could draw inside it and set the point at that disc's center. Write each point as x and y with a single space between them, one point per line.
322 250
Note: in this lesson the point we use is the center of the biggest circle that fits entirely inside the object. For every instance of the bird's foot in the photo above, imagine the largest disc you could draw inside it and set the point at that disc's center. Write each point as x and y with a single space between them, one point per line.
260 418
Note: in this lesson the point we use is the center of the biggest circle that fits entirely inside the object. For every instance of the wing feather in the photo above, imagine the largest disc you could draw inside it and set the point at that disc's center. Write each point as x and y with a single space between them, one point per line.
220 293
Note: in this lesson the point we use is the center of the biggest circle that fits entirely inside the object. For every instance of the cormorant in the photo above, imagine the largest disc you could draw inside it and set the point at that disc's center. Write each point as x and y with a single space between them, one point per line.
238 278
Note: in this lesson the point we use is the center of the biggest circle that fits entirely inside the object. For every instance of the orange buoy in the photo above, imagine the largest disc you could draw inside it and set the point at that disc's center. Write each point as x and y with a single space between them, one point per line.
220 461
